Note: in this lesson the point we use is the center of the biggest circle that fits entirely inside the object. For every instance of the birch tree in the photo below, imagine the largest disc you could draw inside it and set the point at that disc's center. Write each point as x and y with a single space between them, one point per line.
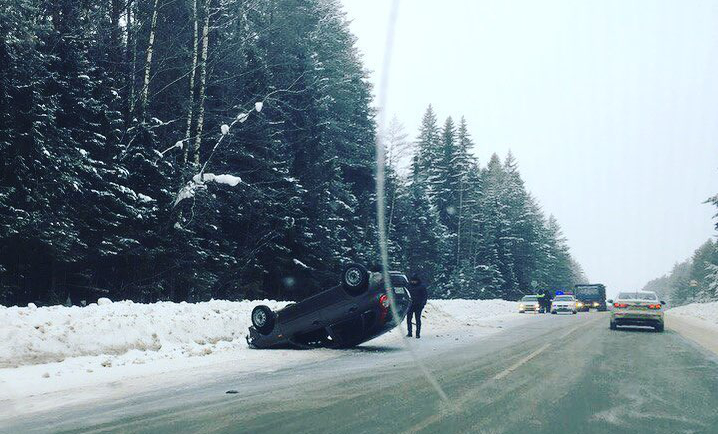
131 59
202 85
192 73
148 59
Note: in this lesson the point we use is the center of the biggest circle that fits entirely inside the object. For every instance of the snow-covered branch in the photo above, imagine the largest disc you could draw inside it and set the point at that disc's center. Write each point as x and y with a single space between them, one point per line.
198 181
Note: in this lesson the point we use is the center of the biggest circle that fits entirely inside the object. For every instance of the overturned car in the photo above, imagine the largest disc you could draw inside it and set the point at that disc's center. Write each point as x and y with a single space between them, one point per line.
344 316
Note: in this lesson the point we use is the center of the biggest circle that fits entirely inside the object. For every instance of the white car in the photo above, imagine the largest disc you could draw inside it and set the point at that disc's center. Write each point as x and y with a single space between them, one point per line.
563 303
529 303
640 308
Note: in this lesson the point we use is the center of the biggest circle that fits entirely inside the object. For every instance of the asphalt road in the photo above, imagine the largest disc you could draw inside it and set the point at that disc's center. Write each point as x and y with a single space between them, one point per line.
568 374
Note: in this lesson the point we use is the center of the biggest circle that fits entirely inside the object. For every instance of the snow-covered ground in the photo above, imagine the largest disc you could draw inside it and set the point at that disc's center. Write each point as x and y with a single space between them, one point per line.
124 347
706 312
697 322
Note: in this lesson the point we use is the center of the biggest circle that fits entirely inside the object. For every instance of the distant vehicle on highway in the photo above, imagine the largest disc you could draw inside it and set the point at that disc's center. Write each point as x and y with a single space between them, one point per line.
344 316
641 308
590 296
529 303
563 303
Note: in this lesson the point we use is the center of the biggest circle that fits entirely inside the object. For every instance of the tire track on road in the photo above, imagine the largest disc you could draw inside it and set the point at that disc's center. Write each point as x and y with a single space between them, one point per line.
455 406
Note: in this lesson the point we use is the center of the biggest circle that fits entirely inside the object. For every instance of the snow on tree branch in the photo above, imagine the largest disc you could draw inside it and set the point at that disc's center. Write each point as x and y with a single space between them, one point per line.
198 181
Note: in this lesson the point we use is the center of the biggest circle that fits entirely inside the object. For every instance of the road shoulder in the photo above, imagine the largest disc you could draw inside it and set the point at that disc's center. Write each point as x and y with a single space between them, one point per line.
701 332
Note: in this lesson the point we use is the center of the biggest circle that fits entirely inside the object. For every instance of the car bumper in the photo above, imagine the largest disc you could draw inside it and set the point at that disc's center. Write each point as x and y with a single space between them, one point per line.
636 318
272 340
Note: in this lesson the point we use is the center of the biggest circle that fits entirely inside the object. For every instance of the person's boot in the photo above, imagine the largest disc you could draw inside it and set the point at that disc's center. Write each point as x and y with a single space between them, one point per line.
418 333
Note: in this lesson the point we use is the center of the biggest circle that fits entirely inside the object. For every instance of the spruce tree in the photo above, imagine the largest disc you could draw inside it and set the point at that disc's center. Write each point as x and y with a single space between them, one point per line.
424 236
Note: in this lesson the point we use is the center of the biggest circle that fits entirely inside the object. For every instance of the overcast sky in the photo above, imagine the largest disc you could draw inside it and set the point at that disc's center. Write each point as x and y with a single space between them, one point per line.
611 108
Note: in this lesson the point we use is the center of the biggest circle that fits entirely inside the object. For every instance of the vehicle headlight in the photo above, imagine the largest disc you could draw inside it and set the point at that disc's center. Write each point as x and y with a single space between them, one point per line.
521 306
579 304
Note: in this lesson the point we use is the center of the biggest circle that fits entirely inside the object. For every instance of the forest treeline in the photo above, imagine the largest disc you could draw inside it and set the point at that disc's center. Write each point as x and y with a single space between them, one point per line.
694 280
475 230
195 149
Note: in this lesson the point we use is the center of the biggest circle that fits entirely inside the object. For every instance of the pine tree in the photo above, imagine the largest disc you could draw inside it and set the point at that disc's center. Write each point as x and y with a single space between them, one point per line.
703 258
424 236
495 228
443 181
428 145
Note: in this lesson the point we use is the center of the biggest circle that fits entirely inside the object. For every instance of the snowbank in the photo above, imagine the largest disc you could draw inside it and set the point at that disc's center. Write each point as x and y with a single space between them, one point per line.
58 356
32 335
453 313
160 330
707 312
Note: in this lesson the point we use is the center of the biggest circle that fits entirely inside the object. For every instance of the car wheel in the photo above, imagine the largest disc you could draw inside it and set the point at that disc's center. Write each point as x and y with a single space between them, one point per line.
521 311
613 326
263 319
574 312
553 312
355 279
659 328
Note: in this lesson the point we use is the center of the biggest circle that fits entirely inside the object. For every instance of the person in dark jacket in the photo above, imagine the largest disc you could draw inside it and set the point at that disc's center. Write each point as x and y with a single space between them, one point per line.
419 295
546 301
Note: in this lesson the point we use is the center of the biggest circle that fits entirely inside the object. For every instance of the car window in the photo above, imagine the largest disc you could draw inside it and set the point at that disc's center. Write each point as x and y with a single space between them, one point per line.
637 296
564 298
587 290
529 298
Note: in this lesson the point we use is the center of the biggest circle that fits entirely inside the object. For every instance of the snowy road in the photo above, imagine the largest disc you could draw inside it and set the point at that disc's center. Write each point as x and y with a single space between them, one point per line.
564 374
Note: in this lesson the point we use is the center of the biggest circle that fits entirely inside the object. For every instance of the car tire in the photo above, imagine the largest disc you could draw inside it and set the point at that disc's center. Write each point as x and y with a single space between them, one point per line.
553 312
521 311
659 328
613 326
573 312
355 279
263 319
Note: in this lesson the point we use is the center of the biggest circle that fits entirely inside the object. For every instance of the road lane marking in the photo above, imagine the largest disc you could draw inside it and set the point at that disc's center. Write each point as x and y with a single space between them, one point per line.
455 406
565 335
518 364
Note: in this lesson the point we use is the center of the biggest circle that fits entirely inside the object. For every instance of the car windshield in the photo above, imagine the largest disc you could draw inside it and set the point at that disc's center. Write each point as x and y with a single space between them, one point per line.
637 296
587 290
564 298
530 298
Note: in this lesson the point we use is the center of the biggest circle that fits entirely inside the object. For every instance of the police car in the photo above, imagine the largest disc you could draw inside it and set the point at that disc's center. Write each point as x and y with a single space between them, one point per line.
563 303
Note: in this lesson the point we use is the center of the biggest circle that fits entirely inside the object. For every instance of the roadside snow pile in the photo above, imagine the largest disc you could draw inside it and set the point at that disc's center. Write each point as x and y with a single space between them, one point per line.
124 332
32 335
703 311
452 313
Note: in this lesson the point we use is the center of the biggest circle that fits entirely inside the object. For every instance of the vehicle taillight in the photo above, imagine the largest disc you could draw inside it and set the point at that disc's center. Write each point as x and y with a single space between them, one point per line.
654 306
620 305
383 308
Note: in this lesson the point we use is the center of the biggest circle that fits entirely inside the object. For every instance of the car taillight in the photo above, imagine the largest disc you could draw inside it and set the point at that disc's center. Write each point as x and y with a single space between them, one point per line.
654 306
620 305
384 300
